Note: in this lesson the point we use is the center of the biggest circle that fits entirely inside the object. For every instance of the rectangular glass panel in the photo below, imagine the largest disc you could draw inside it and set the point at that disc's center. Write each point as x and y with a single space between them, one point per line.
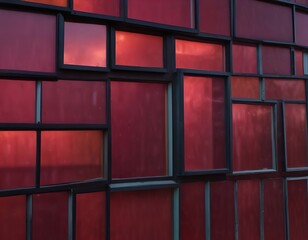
287 89
200 55
69 156
299 62
192 211
60 3
17 101
90 216
244 58
304 2
139 131
50 216
248 197
28 41
140 50
274 225
276 60
296 135
140 215
171 12
18 159
298 209
204 123
74 102
85 44
263 20
252 137
105 7
245 87
301 28
215 16
222 210
13 218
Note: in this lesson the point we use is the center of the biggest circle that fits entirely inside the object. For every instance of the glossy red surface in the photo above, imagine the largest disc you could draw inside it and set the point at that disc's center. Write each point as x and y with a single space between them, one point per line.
13 218
18 158
298 209
74 102
140 215
276 60
105 7
50 216
248 210
61 3
17 101
296 135
215 16
245 87
274 227
28 41
244 58
299 62
304 2
287 89
263 20
252 133
141 50
200 55
85 44
160 11
138 123
301 26
192 216
222 210
90 216
68 156
204 123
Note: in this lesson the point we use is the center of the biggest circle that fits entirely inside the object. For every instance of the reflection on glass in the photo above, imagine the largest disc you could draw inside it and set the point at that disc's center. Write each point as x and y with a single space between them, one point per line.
105 7
301 25
61 3
244 58
252 137
200 56
276 60
85 44
141 50
296 135
68 156
204 123
18 158
245 87
299 62
140 215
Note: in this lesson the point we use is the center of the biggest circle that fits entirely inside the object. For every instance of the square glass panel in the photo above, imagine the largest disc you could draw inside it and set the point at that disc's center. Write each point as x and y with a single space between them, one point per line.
244 58
276 60
245 87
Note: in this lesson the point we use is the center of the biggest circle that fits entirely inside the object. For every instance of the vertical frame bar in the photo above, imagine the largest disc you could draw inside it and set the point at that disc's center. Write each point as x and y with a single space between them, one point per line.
169 130
29 217
287 209
228 124
71 216
124 9
285 158
108 160
261 209
294 22
195 12
259 59
176 214
60 42
112 46
207 210
236 210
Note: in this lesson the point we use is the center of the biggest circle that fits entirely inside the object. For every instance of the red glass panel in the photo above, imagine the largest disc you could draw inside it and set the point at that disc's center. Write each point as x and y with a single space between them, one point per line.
138 122
298 209
244 58
245 87
192 211
50 216
90 216
68 156
215 16
304 2
204 123
85 44
296 135
274 227
248 210
299 62
253 18
17 101
200 55
141 50
13 218
288 89
28 41
140 215
301 26
222 210
276 60
105 7
74 102
160 11
61 3
18 158
252 134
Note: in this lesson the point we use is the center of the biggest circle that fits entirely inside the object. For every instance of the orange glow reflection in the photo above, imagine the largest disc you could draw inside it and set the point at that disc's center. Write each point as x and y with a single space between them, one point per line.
61 3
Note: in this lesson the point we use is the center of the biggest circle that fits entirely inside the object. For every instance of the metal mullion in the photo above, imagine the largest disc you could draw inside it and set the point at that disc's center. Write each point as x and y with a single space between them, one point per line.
176 214
207 210
169 131
71 216
236 224
261 190
29 217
